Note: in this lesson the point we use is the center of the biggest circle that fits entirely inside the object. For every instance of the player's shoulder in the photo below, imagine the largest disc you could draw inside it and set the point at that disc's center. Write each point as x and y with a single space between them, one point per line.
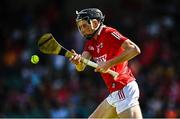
113 33
109 29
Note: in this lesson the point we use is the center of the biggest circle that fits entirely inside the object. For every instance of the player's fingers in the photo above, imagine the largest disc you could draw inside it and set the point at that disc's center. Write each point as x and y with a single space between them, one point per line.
75 59
71 58
102 70
75 56
79 58
98 69
73 51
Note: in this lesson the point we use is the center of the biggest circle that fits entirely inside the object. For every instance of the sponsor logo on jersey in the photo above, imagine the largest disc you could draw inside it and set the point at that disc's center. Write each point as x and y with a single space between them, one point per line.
100 58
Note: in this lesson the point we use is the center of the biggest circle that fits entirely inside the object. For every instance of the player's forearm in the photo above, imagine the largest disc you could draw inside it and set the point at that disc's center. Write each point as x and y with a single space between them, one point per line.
125 56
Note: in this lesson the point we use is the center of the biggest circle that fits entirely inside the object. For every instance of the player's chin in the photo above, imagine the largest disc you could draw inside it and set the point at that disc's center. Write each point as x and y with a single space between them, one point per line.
87 35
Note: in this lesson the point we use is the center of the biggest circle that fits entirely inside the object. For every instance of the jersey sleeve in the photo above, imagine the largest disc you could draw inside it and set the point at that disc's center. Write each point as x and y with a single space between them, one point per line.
116 38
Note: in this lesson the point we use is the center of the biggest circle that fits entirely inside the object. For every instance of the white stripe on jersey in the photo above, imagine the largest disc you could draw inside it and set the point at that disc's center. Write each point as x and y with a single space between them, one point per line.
116 35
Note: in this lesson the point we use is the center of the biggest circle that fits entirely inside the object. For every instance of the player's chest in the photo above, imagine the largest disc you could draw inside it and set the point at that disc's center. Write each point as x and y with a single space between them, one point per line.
100 51
99 48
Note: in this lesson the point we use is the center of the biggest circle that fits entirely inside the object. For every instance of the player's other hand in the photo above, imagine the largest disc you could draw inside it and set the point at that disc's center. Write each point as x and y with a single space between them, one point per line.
76 58
103 67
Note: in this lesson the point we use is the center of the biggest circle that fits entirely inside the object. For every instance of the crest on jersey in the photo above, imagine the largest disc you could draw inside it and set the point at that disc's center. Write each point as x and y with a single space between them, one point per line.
99 47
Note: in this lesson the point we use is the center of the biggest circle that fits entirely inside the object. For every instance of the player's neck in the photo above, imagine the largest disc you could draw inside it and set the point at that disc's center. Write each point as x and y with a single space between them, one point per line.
95 36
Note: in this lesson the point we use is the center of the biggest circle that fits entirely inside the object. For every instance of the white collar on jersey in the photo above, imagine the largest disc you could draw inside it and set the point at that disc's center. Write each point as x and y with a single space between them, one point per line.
100 29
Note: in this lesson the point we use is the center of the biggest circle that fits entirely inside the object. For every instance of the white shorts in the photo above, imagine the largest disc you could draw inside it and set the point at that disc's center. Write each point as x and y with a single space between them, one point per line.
124 98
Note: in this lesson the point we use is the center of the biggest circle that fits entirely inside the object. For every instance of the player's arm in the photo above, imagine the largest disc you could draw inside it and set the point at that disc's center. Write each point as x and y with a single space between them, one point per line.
130 51
76 59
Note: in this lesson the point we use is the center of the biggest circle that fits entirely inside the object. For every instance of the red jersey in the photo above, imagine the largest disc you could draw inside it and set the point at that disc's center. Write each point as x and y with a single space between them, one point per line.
105 47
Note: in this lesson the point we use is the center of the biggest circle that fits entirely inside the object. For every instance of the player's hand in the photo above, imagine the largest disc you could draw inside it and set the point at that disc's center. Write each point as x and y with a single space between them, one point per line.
103 67
76 58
